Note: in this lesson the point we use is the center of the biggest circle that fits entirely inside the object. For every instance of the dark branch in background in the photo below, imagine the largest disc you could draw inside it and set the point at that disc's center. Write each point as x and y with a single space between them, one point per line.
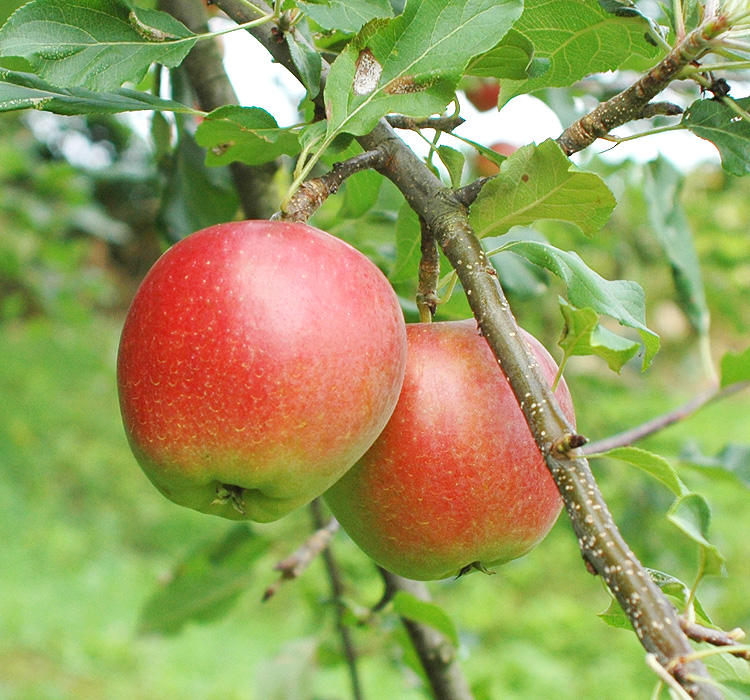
337 594
628 437
651 615
296 564
313 193
205 71
436 652
631 103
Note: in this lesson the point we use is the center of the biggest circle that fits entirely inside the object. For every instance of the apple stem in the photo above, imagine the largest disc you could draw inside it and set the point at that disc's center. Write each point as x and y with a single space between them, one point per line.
429 275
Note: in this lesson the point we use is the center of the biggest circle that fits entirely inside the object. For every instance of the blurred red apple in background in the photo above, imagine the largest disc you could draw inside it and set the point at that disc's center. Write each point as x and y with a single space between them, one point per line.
488 168
455 478
259 360
482 92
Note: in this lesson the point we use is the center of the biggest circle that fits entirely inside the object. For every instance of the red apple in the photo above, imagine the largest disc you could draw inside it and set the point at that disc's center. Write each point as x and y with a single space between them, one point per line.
455 478
258 361
482 93
488 168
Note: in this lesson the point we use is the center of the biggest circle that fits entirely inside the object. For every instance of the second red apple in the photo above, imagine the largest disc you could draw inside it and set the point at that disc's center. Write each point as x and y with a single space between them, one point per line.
455 479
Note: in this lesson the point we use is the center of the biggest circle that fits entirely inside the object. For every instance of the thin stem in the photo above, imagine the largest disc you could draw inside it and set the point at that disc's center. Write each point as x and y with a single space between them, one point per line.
229 30
679 19
337 593
641 134
436 652
664 675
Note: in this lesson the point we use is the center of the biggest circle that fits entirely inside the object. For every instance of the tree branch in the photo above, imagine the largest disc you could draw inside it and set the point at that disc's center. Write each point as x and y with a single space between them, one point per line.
311 194
628 437
652 616
296 564
205 71
631 103
337 593
435 651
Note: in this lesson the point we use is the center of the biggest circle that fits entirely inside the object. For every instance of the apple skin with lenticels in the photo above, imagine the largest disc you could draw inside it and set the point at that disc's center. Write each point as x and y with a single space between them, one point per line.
455 479
259 360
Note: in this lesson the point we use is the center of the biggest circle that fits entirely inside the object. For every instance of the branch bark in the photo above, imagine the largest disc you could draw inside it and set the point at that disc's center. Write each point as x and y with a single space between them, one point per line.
436 652
652 616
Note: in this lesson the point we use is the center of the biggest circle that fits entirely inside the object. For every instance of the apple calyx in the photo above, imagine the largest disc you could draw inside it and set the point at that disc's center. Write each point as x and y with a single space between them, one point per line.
226 493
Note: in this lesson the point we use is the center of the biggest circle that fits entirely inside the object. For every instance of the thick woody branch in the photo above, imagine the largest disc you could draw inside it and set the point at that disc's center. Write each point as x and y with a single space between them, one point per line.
205 71
631 103
435 651
652 616
311 194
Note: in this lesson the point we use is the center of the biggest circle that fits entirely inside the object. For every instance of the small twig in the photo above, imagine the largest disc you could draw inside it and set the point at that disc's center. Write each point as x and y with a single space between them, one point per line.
337 593
296 564
629 104
429 275
447 124
467 195
435 651
718 638
666 677
665 109
311 194
628 437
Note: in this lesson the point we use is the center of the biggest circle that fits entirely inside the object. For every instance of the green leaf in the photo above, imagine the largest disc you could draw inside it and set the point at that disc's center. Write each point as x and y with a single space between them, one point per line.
724 128
346 15
412 608
540 182
583 335
25 90
735 368
623 300
98 44
510 59
195 195
454 161
652 464
307 60
662 188
206 583
412 63
577 38
672 587
361 192
679 592
732 462
692 514
408 246
247 134
725 667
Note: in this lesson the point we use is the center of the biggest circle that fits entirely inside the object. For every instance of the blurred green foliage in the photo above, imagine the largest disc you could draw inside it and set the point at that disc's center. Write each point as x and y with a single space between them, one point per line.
86 540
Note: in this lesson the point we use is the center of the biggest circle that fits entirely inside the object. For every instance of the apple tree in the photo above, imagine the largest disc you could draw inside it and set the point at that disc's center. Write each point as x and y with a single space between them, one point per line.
383 155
